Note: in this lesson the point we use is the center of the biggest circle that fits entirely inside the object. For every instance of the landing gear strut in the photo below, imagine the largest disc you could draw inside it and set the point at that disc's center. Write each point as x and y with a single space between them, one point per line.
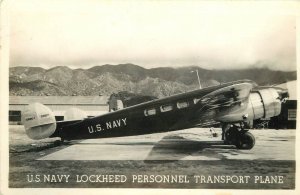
233 134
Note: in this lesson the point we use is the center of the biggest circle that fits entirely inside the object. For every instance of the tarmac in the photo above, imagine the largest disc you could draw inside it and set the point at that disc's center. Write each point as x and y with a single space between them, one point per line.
188 144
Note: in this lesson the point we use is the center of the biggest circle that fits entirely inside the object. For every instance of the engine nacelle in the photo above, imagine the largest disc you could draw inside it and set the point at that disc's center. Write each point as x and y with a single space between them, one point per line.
39 121
263 103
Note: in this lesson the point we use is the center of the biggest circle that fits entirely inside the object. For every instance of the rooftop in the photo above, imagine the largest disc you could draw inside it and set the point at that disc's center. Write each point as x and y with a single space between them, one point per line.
59 100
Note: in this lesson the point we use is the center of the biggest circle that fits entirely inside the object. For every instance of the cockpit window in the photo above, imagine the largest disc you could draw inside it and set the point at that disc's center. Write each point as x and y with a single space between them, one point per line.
166 108
149 112
181 105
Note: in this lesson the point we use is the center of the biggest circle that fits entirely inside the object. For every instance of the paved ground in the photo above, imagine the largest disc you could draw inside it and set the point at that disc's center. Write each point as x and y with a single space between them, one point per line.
189 144
188 152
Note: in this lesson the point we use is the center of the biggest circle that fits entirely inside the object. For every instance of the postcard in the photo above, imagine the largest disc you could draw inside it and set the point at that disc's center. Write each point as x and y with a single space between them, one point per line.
154 97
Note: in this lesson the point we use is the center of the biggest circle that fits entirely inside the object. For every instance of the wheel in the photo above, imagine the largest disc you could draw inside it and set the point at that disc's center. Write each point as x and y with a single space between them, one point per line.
231 135
246 141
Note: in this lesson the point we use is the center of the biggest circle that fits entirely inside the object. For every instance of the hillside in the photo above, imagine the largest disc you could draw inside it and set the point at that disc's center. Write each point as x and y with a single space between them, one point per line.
108 79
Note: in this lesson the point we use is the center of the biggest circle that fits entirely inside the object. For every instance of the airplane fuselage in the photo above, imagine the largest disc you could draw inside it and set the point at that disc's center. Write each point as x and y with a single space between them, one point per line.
168 114
233 104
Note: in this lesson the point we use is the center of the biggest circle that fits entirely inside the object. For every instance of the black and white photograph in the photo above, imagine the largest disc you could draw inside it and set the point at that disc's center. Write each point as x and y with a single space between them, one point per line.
165 95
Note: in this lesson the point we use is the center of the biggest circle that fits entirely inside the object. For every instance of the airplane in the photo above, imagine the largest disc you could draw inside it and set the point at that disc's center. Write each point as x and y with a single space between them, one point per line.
233 104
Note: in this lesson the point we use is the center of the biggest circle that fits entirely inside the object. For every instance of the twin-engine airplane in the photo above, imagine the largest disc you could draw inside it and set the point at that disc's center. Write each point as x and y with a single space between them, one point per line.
232 104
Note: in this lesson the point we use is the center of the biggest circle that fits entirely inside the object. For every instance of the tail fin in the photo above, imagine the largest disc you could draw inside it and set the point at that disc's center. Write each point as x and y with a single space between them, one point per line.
39 121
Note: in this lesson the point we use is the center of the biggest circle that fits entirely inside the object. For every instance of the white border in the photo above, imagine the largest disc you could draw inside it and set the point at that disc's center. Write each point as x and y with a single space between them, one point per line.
277 7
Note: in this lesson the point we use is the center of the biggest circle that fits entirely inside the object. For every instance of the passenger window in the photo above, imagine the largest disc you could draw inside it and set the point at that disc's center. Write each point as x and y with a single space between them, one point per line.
182 105
166 108
149 112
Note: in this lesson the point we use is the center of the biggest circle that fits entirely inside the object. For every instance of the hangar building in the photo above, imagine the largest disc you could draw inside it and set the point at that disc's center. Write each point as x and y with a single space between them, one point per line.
91 105
97 105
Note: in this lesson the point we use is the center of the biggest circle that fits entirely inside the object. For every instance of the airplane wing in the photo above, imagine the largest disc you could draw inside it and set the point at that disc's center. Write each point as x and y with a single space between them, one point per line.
221 101
226 97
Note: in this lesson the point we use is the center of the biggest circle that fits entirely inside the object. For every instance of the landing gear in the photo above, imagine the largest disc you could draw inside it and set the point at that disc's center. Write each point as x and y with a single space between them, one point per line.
238 136
246 141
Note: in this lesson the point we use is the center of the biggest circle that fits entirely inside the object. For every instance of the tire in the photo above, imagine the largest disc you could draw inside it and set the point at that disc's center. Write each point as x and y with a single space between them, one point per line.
246 141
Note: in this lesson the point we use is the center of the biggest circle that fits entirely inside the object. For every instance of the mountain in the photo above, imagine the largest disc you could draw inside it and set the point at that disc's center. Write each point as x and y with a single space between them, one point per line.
108 79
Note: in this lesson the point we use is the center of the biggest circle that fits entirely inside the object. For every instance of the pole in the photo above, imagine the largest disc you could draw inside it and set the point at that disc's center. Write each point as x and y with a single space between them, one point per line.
198 79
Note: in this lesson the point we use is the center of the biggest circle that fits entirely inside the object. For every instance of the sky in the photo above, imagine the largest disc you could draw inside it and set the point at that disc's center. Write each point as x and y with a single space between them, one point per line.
218 35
